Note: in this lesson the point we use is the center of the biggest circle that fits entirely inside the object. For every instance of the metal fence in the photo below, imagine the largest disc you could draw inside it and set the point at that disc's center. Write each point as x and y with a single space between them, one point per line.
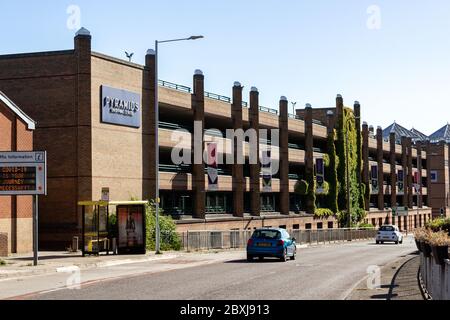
209 240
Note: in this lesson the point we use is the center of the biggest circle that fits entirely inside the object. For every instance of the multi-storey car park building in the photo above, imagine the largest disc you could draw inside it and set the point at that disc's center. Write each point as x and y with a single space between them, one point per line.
64 92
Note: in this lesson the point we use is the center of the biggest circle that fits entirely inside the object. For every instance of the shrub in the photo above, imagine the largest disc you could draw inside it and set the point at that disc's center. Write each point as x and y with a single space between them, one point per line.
421 234
170 239
326 188
2 262
323 213
439 225
326 160
301 187
438 239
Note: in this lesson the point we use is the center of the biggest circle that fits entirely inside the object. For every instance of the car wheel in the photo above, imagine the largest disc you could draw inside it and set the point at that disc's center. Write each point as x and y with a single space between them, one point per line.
382 242
396 242
378 242
261 258
294 256
249 258
401 242
284 256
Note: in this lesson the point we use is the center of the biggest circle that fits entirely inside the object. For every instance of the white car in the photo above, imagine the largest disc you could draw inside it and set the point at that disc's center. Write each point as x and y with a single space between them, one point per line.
389 233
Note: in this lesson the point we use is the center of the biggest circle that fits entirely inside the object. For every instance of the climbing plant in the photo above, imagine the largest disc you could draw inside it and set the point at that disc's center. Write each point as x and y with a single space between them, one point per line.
348 144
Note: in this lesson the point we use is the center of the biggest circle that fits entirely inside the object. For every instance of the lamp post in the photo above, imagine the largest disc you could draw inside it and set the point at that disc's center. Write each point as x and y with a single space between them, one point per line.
157 199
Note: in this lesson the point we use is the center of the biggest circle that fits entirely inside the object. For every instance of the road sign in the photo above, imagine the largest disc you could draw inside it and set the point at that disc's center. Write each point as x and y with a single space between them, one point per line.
23 173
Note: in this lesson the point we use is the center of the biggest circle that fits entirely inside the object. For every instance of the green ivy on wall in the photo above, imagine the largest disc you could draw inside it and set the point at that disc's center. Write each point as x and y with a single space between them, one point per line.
352 147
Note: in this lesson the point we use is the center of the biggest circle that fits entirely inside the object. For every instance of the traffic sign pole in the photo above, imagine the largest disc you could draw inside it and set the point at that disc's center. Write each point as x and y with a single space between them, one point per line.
35 230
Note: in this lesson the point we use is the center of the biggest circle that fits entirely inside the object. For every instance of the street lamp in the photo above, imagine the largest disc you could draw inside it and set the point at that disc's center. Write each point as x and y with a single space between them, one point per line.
347 169
158 231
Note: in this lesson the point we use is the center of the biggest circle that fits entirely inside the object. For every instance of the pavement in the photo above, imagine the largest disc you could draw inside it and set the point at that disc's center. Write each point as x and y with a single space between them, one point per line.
396 281
326 272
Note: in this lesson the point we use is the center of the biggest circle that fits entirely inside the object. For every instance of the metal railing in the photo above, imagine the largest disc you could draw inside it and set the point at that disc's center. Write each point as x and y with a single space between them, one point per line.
207 240
217 97
174 86
269 110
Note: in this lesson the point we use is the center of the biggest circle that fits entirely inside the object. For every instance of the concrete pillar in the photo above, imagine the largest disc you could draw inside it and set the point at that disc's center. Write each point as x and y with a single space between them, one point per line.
410 174
238 167
198 167
255 169
405 170
380 168
419 168
83 102
392 141
331 122
284 156
366 166
148 127
309 154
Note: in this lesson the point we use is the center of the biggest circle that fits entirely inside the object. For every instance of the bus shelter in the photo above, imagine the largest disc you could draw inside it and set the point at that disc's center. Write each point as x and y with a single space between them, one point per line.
126 234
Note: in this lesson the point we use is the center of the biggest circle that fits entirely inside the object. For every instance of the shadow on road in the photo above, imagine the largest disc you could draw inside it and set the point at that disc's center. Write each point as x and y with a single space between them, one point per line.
268 260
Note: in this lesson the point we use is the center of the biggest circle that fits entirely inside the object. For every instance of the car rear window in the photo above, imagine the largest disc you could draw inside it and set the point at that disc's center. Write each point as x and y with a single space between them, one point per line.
387 228
267 234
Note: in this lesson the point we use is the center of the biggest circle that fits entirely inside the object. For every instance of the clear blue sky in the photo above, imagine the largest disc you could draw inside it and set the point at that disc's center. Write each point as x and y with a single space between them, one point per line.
308 51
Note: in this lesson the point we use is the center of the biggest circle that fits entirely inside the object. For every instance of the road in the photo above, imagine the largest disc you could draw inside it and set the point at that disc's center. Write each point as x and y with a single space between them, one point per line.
321 272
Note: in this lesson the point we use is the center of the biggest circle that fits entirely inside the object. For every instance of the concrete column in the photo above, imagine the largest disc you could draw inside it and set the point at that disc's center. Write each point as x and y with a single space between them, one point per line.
83 94
309 154
419 168
380 168
405 170
284 156
255 168
331 122
392 141
410 174
238 167
366 167
148 127
198 167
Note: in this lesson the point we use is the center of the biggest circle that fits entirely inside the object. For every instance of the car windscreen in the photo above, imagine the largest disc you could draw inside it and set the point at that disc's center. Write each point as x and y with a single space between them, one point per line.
267 234
387 228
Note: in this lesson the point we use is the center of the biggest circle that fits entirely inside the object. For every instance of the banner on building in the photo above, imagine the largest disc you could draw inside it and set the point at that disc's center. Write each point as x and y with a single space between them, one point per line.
267 171
374 180
213 168
400 182
417 184
320 176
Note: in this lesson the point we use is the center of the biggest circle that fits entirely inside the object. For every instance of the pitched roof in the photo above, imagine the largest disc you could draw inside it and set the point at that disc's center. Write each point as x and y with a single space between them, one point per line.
419 135
398 130
441 134
14 108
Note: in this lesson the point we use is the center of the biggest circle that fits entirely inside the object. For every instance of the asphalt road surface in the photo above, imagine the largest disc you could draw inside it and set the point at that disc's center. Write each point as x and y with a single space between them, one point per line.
322 272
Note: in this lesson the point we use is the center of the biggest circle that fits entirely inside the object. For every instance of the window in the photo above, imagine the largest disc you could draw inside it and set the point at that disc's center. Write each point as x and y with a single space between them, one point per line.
434 176
320 225
296 227
308 226
267 234
283 227
330 225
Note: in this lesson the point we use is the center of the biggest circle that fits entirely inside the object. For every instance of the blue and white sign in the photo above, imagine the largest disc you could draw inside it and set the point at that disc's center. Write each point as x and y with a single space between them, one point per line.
121 107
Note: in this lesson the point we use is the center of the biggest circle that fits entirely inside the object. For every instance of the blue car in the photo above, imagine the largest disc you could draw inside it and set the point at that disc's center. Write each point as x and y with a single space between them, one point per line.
271 242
